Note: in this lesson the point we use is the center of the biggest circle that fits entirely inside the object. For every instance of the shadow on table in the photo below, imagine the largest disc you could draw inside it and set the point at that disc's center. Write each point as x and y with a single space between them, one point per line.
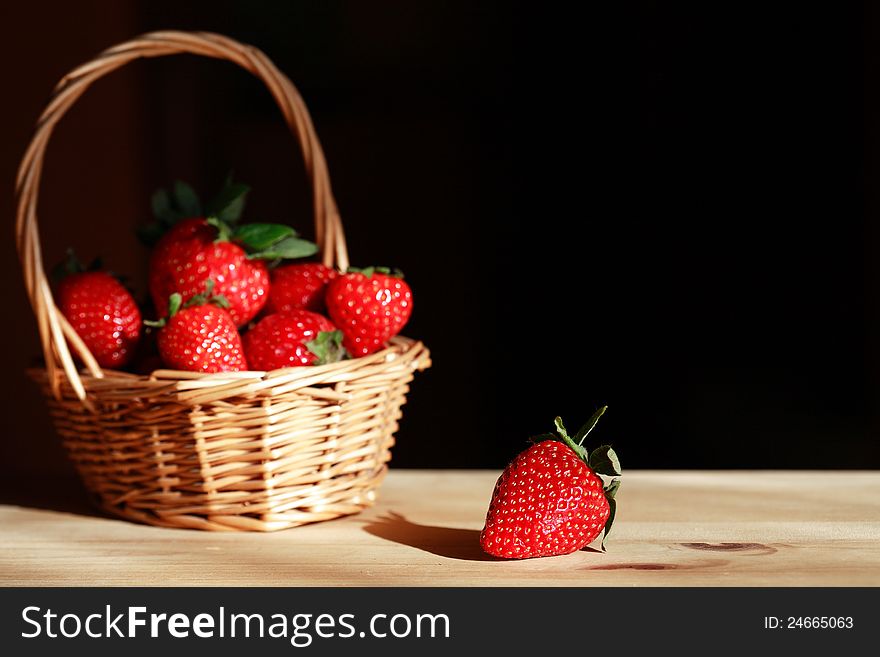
449 542
61 495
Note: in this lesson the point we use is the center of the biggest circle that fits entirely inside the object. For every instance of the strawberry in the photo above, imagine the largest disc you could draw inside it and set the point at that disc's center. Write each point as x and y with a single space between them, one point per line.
193 249
292 339
550 500
183 266
299 286
102 312
370 306
200 335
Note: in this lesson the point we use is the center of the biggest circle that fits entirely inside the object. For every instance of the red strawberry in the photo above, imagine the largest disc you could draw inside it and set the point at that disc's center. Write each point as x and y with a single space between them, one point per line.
194 248
299 286
103 313
370 306
190 254
550 500
292 339
200 336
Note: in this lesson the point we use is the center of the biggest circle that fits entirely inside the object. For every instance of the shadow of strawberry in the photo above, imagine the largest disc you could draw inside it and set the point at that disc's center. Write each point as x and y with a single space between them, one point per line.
449 542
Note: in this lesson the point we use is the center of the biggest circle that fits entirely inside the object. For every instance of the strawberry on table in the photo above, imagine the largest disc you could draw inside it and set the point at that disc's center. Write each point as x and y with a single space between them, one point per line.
370 306
200 335
300 286
101 311
192 247
292 339
551 500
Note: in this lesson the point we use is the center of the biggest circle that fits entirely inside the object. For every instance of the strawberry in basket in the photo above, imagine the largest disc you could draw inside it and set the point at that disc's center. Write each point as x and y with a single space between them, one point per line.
299 286
100 310
199 335
293 339
551 500
192 246
370 306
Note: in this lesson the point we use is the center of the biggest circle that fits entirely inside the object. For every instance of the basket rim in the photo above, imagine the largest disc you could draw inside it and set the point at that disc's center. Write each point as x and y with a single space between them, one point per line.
401 354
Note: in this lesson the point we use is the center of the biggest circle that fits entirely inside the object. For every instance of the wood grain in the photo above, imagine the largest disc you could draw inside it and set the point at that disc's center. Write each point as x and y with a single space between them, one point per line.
674 528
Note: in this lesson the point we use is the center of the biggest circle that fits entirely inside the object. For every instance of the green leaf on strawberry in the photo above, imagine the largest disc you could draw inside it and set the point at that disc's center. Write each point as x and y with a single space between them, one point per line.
70 265
264 241
327 346
162 210
370 271
228 205
610 495
182 202
73 265
287 249
563 435
206 297
585 430
604 461
187 200
259 237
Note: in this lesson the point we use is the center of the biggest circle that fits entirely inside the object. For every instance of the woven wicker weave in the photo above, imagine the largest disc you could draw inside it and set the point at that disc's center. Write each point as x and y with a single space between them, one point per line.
234 451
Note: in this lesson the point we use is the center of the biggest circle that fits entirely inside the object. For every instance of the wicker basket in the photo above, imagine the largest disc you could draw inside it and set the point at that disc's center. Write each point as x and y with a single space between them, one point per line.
234 451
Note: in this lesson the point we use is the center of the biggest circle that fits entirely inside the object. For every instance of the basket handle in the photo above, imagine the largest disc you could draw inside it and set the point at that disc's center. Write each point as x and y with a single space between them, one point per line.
56 334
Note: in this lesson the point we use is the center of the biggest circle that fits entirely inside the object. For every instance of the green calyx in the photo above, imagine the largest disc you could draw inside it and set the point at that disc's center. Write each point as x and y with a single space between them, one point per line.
261 241
229 203
369 271
224 230
610 492
327 346
175 304
602 460
72 265
169 207
182 202
206 297
264 241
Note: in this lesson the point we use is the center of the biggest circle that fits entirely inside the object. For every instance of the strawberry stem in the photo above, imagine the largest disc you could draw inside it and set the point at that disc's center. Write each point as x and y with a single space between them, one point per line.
563 435
174 303
224 232
208 296
220 301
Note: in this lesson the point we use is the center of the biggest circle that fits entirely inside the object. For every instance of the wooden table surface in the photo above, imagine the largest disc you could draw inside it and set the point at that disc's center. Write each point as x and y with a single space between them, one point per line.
674 528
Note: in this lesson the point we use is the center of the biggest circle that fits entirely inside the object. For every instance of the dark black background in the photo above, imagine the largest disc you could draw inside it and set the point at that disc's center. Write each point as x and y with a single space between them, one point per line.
666 209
